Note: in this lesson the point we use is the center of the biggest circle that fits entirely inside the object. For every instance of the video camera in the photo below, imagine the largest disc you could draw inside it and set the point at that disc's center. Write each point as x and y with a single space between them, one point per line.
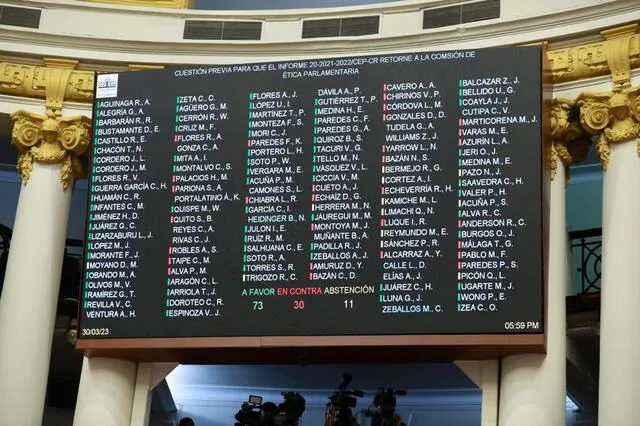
341 402
344 398
385 399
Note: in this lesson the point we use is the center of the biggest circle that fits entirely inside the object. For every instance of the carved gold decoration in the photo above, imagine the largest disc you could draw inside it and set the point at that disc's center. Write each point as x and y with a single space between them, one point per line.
57 73
570 143
621 46
616 47
559 123
30 81
614 117
50 140
170 4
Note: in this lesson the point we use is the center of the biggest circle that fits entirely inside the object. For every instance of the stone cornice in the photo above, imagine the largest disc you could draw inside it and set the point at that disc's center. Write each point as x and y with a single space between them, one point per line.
144 7
567 64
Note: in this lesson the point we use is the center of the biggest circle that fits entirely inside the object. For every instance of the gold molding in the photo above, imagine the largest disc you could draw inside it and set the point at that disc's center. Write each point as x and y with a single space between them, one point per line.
613 116
620 47
51 139
32 80
166 4
142 67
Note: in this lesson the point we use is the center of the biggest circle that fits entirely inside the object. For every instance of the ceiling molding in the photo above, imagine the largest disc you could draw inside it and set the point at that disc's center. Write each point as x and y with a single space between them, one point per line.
474 35
166 4
266 14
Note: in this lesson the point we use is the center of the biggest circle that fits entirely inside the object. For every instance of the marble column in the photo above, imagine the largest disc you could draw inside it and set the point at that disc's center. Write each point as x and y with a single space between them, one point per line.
616 116
533 386
48 164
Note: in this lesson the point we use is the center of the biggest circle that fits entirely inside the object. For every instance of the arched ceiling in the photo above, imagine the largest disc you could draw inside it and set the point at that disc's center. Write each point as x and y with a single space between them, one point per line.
365 376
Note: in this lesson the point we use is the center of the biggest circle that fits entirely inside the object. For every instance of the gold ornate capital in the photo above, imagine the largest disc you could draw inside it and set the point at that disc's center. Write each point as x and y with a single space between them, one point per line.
614 117
51 139
169 4
569 143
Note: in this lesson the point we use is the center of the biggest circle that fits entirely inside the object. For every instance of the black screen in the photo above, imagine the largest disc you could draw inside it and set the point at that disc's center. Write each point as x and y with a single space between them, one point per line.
391 194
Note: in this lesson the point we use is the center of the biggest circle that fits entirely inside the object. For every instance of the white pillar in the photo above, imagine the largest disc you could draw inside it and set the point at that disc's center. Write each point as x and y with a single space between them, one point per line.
106 392
620 312
29 296
485 375
149 375
141 404
533 387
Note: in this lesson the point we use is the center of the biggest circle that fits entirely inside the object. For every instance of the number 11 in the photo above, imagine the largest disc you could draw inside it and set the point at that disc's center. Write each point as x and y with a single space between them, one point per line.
348 304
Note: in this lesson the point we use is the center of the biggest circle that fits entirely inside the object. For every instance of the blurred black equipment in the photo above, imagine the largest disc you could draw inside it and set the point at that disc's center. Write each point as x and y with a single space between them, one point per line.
186 421
291 409
248 415
257 413
5 239
340 404
383 409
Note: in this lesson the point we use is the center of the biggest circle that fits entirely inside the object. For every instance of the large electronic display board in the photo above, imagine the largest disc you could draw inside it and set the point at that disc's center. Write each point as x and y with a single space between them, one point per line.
396 194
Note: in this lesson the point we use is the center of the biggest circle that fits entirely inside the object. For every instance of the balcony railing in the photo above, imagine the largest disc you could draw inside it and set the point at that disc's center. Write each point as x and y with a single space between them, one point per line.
586 254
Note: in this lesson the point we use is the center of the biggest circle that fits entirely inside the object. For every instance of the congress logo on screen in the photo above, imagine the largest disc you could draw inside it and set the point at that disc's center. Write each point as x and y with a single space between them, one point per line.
107 86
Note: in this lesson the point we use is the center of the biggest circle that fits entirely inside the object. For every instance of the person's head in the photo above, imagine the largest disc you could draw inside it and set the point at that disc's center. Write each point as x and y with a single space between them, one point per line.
187 421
